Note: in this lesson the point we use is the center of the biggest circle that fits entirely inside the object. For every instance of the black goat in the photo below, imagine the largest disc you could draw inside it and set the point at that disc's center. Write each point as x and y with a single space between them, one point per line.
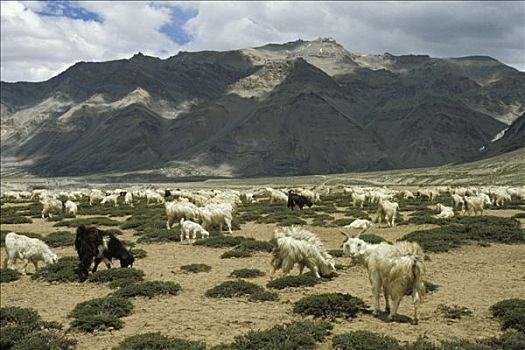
92 244
296 199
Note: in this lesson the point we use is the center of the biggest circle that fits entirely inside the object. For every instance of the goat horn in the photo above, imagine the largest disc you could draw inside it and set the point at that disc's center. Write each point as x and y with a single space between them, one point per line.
345 234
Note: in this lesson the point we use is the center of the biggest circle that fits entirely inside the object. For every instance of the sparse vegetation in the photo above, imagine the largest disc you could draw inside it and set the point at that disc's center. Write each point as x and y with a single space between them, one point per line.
148 289
511 313
95 221
301 335
100 314
264 295
364 340
196 268
331 305
236 253
157 341
8 275
222 241
23 329
65 270
230 289
59 239
305 280
246 273
454 312
117 277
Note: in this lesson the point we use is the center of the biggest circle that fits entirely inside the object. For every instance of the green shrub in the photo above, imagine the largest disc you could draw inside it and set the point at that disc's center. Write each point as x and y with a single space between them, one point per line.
341 222
519 216
236 253
101 313
331 305
439 239
230 289
148 289
196 268
156 235
338 253
511 313
305 280
454 311
10 216
291 221
222 241
264 296
247 273
60 239
510 340
98 221
65 270
372 238
364 340
139 253
23 329
45 340
421 343
8 275
256 246
126 275
156 341
101 321
301 335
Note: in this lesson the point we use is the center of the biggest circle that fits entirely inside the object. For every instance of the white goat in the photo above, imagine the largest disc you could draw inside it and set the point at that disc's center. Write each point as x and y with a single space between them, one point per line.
458 200
51 206
95 197
293 245
394 269
154 197
362 224
358 199
216 214
27 249
111 199
475 204
180 209
189 228
71 207
387 210
128 199
445 212
277 196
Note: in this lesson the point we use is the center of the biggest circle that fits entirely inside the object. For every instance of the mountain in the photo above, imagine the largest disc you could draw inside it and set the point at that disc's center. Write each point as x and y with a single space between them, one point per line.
303 107
507 140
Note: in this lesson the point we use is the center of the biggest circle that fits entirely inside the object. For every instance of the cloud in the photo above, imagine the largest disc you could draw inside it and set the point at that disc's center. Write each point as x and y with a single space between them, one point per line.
41 39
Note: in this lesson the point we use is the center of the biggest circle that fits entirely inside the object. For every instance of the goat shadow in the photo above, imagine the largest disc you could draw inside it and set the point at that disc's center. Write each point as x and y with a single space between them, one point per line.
383 316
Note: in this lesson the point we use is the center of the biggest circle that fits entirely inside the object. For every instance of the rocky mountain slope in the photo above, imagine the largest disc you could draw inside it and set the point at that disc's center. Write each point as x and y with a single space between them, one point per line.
304 107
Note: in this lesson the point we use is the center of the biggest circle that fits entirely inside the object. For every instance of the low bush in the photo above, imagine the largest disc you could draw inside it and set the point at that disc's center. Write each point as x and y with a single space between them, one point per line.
300 335
264 296
101 313
126 275
148 289
65 270
157 235
256 246
157 341
338 253
23 329
230 289
341 222
331 305
519 216
222 241
247 273
453 312
511 313
99 221
11 216
365 340
139 253
60 239
305 280
372 238
236 253
196 268
8 275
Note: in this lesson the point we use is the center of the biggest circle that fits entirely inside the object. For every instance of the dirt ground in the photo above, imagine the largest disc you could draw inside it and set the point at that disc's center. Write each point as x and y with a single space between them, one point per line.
473 276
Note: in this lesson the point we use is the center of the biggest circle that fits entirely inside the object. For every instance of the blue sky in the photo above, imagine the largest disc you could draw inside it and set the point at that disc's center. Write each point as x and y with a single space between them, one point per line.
42 38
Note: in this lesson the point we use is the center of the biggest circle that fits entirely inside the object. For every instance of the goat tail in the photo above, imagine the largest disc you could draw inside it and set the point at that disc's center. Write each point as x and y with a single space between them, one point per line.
418 283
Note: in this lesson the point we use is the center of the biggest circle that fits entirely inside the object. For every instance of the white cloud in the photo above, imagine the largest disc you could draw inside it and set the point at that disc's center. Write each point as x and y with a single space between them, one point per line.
35 47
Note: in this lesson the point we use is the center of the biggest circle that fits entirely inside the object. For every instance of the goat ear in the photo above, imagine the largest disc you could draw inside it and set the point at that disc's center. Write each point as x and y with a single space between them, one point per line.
345 234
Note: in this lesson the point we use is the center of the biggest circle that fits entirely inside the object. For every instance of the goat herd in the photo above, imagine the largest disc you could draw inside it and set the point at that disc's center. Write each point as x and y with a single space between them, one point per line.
392 268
